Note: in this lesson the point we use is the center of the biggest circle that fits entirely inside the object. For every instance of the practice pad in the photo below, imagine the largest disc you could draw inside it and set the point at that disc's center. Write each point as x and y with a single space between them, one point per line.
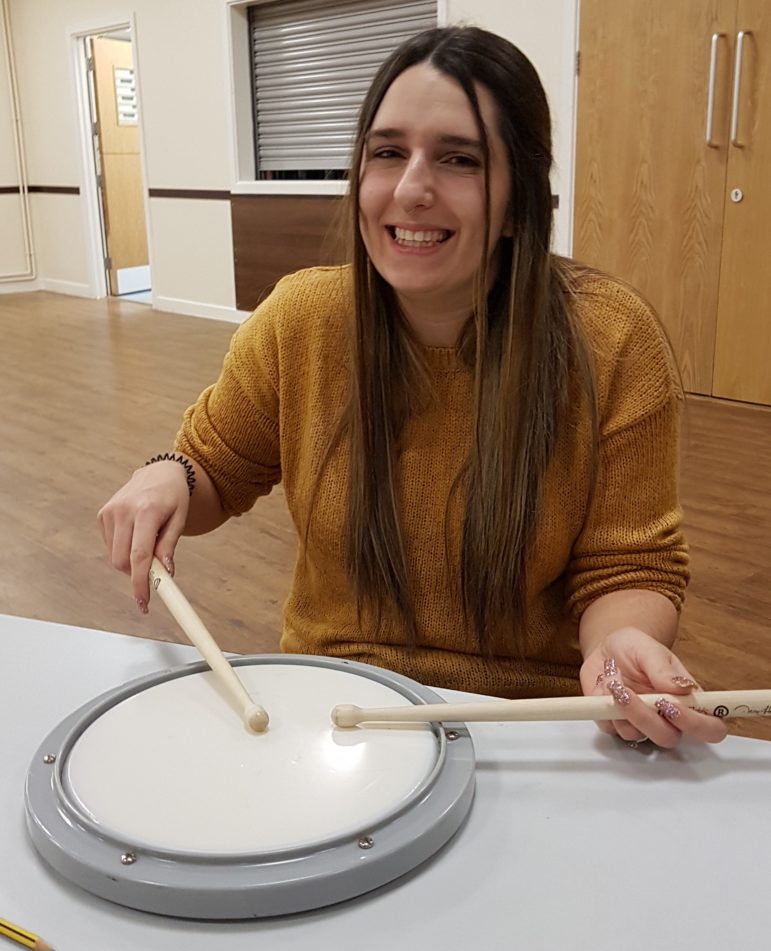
157 796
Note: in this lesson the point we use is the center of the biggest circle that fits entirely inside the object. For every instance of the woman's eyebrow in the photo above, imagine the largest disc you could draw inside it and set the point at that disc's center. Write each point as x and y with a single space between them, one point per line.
461 141
385 134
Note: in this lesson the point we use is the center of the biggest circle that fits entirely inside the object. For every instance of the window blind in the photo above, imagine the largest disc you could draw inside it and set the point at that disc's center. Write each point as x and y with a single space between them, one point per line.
313 61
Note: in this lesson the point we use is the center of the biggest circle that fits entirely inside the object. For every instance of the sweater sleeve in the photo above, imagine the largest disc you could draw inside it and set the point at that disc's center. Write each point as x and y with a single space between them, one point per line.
632 536
232 430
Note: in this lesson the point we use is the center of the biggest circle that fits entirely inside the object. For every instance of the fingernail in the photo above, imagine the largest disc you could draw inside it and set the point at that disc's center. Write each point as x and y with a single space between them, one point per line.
142 605
610 669
679 681
667 709
168 562
619 693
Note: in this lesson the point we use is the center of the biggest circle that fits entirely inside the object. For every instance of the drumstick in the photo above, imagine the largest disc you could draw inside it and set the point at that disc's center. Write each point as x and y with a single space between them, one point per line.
182 611
720 703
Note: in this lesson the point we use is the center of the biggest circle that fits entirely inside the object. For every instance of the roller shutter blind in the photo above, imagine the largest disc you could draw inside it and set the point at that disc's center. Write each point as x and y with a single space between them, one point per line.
313 61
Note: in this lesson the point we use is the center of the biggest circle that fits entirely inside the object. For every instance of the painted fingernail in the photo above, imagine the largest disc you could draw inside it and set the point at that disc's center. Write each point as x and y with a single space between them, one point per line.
685 682
168 562
619 693
667 709
610 667
142 605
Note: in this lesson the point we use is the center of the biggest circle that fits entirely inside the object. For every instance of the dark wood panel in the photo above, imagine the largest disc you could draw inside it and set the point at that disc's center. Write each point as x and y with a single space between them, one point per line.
41 189
54 189
274 235
205 194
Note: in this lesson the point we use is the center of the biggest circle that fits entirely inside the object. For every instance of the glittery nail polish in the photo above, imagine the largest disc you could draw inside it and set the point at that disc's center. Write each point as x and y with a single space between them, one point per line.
679 681
667 709
610 667
619 693
142 605
168 563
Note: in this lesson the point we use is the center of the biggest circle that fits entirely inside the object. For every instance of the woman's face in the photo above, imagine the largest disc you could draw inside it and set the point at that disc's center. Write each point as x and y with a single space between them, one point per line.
422 191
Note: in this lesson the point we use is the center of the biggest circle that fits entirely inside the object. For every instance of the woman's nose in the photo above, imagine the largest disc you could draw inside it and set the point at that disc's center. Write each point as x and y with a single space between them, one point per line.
415 188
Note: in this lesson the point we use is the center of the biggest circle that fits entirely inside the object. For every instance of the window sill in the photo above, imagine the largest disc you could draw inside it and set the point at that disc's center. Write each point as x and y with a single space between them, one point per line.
290 188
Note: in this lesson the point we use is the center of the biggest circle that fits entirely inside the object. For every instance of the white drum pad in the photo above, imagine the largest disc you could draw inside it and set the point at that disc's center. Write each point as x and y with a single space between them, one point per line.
175 767
157 796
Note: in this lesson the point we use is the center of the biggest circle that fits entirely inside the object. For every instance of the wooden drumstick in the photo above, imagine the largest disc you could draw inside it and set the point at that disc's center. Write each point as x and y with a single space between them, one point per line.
720 703
182 611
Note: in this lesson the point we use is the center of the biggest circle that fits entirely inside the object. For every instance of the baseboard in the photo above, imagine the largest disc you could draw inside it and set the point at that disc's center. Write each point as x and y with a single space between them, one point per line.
191 308
66 287
20 287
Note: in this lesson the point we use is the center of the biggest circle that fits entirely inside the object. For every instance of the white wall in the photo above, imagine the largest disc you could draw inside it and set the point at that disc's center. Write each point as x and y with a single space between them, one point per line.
545 31
184 89
181 62
12 254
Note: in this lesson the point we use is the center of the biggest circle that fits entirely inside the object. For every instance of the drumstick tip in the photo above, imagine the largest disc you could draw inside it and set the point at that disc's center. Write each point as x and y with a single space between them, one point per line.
346 714
256 718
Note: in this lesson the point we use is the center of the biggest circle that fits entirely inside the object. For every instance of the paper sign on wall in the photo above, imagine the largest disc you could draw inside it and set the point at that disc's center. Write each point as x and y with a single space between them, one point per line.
125 96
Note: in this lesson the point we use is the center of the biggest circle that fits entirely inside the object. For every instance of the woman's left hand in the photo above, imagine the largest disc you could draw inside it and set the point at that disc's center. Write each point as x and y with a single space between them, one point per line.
628 662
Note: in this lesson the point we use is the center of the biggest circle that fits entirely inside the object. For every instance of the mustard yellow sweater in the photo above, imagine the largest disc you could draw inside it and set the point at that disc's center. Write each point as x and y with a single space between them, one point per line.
270 414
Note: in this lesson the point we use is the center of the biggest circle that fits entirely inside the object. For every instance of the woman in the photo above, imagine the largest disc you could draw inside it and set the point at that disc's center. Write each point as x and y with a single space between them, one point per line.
477 439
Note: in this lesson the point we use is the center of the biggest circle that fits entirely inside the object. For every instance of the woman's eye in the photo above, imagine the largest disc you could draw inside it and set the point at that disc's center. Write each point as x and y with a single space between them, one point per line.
463 161
384 153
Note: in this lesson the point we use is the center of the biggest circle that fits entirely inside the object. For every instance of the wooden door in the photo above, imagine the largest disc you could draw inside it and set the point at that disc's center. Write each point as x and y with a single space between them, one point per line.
649 189
122 198
743 344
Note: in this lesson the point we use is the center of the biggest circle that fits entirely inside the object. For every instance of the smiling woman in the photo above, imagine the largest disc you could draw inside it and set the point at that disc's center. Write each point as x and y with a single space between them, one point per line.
478 440
422 200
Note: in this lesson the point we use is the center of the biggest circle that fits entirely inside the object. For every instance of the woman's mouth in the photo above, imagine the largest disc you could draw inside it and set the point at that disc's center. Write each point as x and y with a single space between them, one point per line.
425 238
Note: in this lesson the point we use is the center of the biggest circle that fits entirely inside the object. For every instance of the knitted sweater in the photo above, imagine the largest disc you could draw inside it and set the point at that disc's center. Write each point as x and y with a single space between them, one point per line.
269 417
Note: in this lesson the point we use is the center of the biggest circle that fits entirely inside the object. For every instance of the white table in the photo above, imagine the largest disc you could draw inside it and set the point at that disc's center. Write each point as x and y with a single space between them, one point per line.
574 841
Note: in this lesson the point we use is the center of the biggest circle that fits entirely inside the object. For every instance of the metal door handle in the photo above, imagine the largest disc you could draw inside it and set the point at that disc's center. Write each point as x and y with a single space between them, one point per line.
711 90
737 88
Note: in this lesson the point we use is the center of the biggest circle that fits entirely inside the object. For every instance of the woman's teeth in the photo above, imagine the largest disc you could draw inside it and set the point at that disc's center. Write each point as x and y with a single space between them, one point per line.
419 239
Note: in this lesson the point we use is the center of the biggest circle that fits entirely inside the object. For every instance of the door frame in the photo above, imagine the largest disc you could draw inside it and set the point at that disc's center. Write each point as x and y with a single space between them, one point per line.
89 190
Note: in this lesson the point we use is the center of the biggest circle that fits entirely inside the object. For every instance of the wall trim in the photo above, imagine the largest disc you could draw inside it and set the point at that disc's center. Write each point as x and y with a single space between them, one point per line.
21 287
191 308
73 288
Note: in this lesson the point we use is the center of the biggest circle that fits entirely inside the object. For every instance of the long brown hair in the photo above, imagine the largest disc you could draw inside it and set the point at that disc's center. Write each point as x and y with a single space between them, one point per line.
522 339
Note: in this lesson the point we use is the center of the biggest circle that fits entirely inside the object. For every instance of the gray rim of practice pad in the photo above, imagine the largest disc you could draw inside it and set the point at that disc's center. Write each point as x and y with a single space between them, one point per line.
190 885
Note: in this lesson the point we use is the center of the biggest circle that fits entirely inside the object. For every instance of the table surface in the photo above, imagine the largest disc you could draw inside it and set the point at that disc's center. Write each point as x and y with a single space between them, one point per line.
574 840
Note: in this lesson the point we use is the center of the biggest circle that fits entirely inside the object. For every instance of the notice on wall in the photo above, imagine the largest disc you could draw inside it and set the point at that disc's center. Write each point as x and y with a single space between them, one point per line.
125 96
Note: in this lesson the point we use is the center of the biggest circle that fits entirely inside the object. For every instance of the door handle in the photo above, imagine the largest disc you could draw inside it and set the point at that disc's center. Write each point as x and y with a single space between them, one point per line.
737 88
711 90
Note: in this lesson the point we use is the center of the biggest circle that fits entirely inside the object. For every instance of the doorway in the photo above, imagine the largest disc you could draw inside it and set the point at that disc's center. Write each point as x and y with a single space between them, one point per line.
114 131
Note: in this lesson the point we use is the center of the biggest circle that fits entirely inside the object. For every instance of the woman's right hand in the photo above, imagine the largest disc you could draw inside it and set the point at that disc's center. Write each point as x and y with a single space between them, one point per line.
144 518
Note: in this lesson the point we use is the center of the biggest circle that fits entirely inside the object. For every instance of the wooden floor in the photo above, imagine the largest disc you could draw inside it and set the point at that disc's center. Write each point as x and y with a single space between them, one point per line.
89 390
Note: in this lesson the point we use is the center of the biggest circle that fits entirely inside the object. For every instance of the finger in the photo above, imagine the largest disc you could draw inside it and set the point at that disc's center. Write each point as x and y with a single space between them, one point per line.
142 549
641 720
699 726
105 524
120 552
608 682
671 676
168 538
